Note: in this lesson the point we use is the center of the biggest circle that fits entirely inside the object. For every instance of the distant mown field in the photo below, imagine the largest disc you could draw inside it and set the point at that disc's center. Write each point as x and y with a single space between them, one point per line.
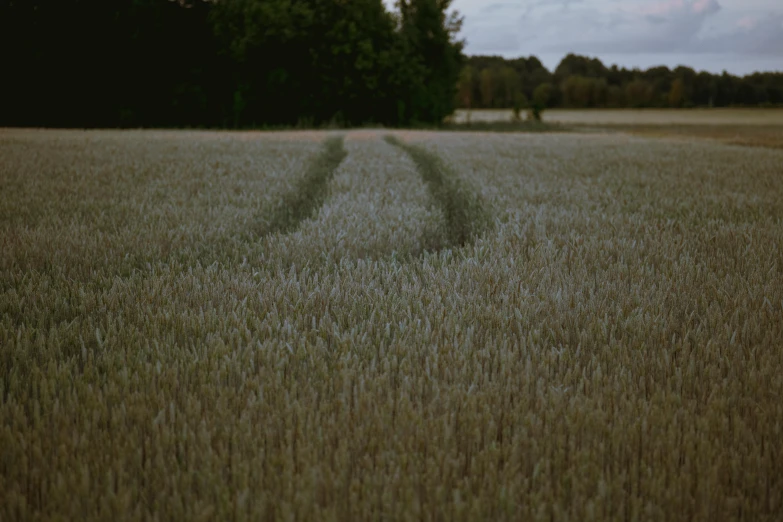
749 127
752 116
431 326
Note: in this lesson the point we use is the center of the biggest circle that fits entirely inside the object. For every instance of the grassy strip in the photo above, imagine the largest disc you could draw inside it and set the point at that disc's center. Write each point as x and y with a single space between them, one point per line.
311 191
505 126
463 210
763 136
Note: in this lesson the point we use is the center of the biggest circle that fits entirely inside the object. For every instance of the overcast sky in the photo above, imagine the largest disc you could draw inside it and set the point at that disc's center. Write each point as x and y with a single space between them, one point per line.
740 36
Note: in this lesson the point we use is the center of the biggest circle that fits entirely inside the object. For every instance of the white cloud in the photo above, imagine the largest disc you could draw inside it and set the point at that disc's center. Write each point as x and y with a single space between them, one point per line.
750 36
662 26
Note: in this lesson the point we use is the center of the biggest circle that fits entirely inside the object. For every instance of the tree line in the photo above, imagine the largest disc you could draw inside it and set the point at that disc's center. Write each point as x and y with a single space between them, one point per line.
227 63
250 63
580 82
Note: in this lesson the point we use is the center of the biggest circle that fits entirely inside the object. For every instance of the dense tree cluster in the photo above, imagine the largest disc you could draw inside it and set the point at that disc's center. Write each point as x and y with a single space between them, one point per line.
227 63
578 81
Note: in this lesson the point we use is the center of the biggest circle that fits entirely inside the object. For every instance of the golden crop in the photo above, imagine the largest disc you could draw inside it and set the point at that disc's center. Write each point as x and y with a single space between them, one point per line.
288 326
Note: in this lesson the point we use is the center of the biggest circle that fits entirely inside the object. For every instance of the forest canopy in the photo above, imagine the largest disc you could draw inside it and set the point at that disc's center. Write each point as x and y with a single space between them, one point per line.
227 63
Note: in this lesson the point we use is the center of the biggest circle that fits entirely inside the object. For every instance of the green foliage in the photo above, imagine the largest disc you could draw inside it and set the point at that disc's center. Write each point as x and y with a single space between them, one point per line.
273 63
579 81
581 91
233 63
639 93
677 94
511 87
465 88
431 60
543 94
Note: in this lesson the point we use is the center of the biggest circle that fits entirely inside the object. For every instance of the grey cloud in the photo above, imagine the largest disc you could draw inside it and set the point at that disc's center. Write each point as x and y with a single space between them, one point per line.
684 34
765 38
496 40
662 27
528 7
494 8
624 28
655 19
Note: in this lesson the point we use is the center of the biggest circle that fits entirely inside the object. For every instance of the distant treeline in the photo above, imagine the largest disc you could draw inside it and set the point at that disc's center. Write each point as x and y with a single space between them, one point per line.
226 63
578 81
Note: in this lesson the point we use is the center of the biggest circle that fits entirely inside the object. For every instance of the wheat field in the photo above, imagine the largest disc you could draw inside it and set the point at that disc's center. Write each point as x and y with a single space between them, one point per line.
379 325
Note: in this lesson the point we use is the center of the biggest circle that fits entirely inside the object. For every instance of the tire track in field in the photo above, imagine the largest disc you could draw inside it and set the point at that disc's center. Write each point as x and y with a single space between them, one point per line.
463 210
311 190
377 210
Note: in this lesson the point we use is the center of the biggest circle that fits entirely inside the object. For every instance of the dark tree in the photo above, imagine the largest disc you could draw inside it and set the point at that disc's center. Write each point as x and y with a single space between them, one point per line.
230 63
431 60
